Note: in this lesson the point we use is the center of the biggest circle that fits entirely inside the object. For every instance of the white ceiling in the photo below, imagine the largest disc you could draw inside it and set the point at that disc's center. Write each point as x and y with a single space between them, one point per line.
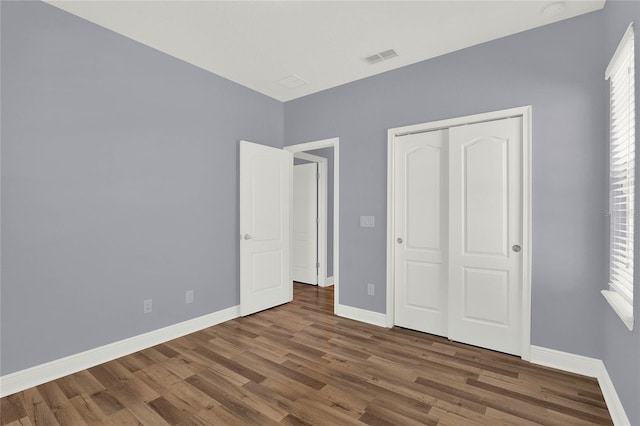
259 43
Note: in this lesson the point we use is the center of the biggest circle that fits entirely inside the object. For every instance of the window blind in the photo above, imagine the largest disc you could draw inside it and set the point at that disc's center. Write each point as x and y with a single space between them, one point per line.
621 74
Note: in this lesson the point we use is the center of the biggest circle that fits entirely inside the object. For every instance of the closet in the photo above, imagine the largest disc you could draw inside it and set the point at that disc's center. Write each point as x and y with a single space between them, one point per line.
457 230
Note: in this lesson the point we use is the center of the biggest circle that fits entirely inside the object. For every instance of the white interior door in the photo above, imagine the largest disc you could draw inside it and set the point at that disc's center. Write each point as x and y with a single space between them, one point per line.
485 234
421 227
305 223
265 209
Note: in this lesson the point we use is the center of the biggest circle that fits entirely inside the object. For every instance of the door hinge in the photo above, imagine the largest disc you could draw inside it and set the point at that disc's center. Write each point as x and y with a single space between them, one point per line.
317 265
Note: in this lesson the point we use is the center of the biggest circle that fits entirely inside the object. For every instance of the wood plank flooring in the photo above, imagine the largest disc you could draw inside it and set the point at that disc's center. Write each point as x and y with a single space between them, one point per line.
297 364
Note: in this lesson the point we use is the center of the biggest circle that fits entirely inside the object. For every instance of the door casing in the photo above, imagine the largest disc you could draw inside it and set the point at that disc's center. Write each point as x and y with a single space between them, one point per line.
335 144
524 112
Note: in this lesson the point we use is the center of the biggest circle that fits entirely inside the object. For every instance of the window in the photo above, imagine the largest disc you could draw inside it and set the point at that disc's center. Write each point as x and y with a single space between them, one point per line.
621 75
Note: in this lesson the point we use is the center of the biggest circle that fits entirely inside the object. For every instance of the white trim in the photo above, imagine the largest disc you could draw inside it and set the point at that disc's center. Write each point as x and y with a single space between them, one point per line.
328 282
527 137
322 222
335 144
322 212
391 195
524 112
362 315
34 376
308 157
621 307
460 121
616 409
565 361
585 366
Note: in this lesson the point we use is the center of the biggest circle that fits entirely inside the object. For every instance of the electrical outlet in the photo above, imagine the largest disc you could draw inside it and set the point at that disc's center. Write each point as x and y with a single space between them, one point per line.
371 289
189 296
147 306
367 222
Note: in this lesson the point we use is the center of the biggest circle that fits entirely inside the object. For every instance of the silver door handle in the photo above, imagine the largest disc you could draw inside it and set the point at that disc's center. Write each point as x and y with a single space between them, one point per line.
516 248
247 237
399 240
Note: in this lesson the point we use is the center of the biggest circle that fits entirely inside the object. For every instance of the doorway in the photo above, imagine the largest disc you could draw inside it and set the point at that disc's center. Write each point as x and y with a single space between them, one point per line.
459 229
325 153
311 240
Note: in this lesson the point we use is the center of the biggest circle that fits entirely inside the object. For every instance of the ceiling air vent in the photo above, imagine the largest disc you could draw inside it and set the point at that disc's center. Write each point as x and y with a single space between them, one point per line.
373 59
379 57
388 54
292 81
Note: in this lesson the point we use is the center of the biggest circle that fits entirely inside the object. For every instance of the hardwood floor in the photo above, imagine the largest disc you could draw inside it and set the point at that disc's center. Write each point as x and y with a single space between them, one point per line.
297 364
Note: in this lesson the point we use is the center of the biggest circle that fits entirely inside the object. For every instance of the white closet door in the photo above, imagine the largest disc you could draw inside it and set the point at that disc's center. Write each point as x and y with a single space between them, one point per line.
485 231
421 232
305 223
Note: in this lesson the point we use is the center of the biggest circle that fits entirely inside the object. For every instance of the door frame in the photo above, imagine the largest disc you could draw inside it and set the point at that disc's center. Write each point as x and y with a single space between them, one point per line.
321 248
524 112
335 144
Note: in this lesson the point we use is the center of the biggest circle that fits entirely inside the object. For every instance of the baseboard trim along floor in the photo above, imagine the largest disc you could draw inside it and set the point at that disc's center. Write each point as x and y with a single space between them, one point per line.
34 376
362 315
585 366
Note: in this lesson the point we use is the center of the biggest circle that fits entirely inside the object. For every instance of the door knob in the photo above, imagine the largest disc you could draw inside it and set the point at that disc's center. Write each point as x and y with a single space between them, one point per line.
399 240
516 248
247 237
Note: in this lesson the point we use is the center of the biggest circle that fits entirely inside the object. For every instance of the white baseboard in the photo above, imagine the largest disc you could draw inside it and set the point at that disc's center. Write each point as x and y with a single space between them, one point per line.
565 361
361 315
34 376
585 366
618 415
328 282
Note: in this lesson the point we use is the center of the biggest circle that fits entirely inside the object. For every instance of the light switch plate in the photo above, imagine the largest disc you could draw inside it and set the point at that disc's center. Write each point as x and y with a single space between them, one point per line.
367 222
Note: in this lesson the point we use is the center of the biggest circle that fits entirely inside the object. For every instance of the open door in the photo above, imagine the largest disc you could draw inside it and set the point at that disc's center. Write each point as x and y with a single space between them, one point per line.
305 223
265 209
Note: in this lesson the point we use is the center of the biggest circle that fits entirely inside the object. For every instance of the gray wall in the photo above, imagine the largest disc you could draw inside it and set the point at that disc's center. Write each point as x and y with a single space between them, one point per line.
558 69
621 347
119 183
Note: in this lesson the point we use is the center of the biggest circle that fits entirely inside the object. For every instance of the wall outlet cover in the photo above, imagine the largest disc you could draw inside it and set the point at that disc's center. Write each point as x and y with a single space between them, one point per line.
367 222
371 289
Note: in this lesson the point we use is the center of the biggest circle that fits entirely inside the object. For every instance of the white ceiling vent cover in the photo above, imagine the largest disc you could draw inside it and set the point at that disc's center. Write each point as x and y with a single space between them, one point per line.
292 81
379 57
388 54
373 59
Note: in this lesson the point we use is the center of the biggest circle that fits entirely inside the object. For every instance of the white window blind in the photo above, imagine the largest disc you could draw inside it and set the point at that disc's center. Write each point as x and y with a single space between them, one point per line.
621 75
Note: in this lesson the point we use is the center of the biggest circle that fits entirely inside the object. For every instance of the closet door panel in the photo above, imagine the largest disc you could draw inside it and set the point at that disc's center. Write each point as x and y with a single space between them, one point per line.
421 227
485 229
